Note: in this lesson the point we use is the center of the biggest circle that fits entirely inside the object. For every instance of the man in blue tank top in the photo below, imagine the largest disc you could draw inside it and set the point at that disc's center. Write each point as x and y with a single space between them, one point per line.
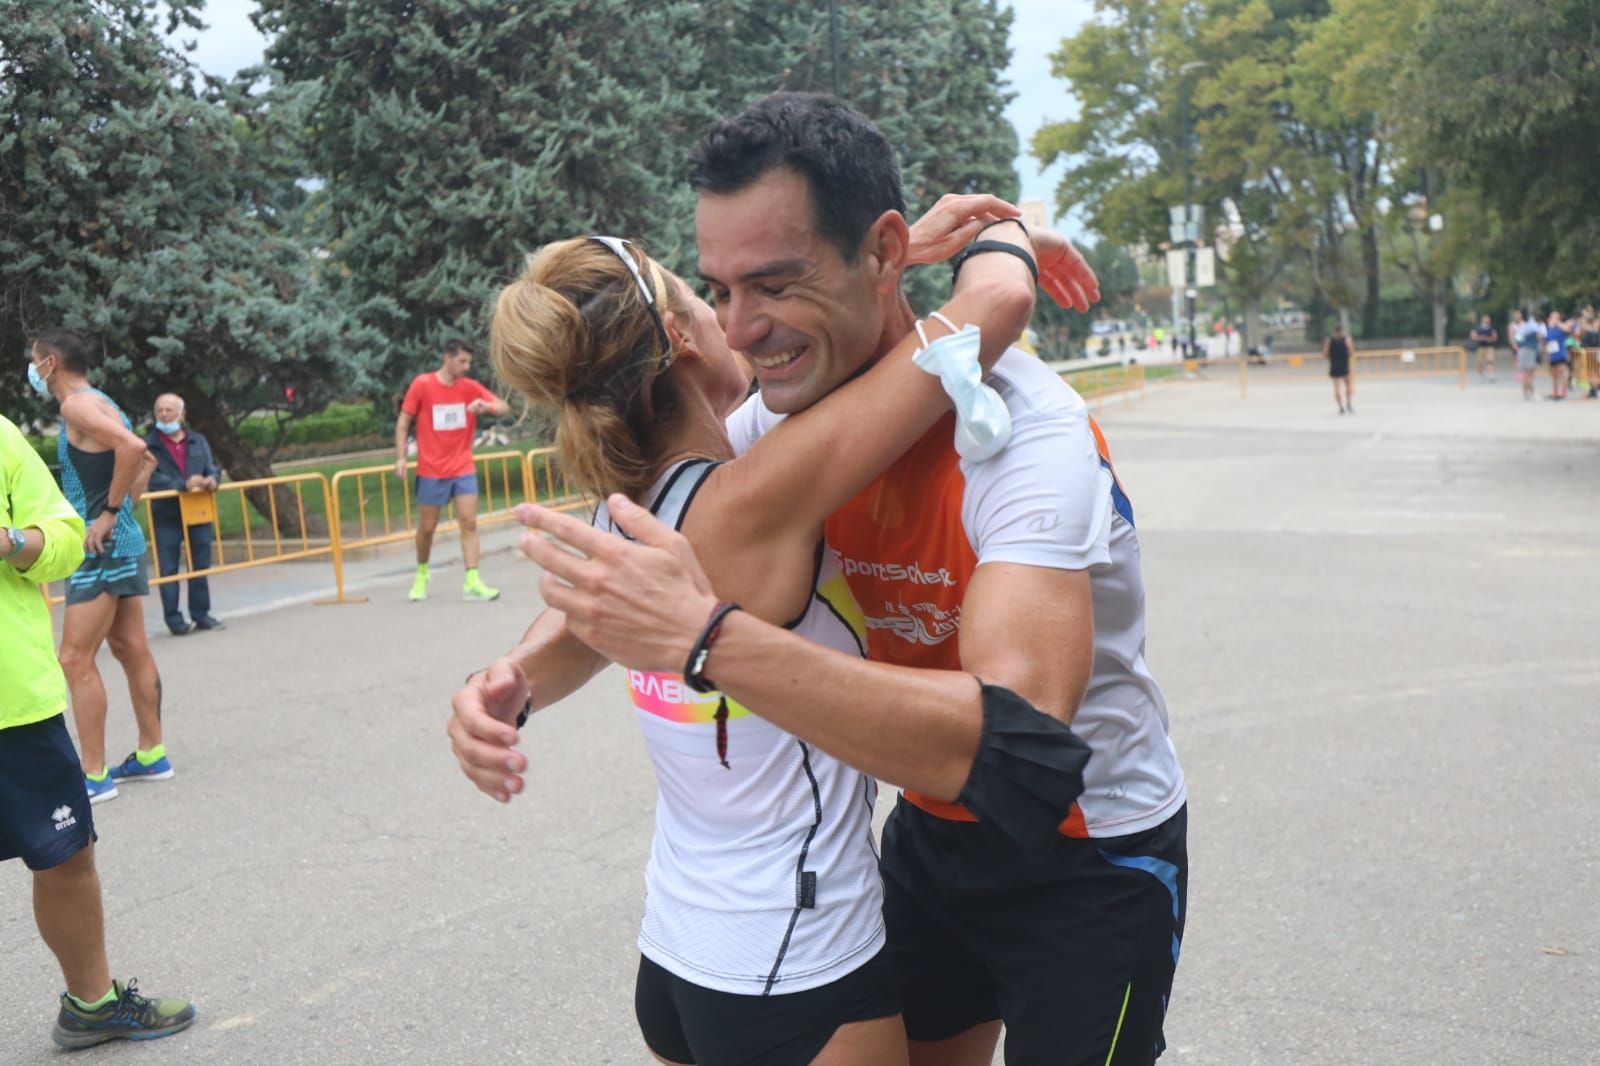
104 467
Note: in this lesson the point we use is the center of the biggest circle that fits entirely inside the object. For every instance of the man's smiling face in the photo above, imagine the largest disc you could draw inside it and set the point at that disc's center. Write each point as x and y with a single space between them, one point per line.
786 297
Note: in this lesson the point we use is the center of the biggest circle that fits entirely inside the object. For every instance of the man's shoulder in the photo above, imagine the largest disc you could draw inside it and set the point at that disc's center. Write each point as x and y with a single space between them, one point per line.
1031 389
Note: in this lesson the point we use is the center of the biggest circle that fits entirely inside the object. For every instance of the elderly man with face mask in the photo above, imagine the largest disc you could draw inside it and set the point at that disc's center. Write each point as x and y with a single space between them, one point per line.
184 463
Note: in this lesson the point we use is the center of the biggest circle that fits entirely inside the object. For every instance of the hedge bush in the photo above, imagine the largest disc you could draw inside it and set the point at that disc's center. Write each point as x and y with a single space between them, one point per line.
336 422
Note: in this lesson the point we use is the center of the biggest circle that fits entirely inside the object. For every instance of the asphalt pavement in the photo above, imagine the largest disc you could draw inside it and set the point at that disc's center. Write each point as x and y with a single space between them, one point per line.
1378 640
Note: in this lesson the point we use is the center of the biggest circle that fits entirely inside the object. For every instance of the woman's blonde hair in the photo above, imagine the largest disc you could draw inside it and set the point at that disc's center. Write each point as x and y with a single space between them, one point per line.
574 335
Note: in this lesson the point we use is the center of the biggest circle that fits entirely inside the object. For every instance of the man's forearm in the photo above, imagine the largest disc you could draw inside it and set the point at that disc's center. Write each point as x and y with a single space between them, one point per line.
32 548
126 475
52 549
918 729
401 426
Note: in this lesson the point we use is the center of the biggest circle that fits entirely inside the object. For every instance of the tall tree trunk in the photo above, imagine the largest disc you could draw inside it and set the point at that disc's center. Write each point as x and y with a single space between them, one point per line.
242 463
1253 334
1440 312
1371 267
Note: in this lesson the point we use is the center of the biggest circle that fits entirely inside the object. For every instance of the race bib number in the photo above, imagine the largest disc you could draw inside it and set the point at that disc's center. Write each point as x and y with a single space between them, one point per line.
449 416
1553 347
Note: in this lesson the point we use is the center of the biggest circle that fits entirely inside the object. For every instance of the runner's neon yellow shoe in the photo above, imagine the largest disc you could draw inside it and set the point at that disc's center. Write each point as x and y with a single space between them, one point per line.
474 588
419 586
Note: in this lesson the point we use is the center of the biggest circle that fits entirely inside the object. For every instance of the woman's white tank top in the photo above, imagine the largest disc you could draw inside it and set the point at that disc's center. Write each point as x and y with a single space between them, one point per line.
763 874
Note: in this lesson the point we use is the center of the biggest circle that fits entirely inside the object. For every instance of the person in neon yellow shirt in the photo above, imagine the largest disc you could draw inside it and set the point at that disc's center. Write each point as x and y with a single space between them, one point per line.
45 817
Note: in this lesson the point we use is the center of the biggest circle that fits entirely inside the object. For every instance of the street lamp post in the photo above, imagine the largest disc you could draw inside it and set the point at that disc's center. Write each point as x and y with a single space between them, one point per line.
1190 220
833 42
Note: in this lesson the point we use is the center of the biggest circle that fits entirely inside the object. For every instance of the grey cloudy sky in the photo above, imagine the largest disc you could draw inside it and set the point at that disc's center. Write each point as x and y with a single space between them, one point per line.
232 42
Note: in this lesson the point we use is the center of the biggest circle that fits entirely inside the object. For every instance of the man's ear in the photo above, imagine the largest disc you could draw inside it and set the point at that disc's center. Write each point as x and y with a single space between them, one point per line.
683 343
885 250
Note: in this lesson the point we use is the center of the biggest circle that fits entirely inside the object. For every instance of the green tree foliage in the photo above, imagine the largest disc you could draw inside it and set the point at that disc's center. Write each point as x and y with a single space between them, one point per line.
1118 274
1286 139
1507 98
929 73
139 207
454 137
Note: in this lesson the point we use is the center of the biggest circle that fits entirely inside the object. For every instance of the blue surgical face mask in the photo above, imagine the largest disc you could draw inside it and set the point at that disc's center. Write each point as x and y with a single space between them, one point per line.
169 428
40 385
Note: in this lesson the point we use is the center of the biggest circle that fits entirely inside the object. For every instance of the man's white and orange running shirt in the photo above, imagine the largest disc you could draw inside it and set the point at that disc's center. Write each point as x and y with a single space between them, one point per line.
910 541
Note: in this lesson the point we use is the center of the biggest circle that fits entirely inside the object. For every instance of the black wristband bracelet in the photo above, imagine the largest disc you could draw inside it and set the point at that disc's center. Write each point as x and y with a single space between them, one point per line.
692 675
979 247
1003 221
108 508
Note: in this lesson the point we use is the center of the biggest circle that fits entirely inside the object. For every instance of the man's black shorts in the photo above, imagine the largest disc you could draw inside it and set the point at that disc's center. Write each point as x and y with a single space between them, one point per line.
1074 947
44 807
683 1022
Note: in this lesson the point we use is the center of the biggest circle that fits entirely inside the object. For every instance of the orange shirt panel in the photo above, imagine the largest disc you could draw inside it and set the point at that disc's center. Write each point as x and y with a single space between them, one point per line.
907 558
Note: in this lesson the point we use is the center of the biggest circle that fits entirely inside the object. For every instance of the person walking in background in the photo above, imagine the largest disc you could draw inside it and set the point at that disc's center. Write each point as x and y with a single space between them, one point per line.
1526 336
45 817
104 468
1337 350
184 463
1589 337
1556 332
445 405
1483 339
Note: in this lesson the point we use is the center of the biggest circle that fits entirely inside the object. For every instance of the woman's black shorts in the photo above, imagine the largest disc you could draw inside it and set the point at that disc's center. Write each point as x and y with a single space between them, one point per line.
683 1022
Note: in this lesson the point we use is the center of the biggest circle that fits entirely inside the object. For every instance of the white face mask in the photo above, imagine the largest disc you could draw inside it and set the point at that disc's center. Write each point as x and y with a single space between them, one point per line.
40 385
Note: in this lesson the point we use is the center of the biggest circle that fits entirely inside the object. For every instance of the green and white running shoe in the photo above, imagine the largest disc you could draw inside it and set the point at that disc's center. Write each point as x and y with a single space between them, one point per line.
474 588
419 586
130 1016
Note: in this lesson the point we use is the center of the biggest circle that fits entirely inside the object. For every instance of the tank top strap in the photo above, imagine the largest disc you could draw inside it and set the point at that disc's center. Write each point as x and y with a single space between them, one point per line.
671 504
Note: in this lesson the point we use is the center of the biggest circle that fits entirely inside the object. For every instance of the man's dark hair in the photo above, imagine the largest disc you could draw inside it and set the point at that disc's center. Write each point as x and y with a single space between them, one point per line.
457 346
66 345
848 165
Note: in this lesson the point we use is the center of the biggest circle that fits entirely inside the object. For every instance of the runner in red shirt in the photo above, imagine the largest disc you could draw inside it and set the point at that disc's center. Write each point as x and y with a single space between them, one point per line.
445 405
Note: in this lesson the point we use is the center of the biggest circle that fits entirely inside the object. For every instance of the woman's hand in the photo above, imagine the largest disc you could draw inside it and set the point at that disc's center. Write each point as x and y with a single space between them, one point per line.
1063 273
953 223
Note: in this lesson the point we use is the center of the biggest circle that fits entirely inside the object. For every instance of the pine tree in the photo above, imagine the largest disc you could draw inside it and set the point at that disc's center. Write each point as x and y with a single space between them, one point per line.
138 207
454 137
927 72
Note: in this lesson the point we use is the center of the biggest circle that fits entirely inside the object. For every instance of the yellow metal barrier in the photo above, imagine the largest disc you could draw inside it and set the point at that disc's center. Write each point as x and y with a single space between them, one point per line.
380 507
1411 363
1099 382
550 485
242 542
1586 369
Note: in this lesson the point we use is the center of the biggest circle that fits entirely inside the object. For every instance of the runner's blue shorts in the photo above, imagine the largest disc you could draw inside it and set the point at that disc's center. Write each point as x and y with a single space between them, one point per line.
438 491
44 807
119 575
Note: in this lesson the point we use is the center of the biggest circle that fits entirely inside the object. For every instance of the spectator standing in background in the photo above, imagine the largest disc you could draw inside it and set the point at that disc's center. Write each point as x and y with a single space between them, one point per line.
104 468
1556 332
1483 339
184 463
1337 350
1526 337
445 405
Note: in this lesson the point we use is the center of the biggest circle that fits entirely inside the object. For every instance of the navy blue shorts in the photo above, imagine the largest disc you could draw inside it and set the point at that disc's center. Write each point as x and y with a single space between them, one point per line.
44 807
438 491
1074 948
